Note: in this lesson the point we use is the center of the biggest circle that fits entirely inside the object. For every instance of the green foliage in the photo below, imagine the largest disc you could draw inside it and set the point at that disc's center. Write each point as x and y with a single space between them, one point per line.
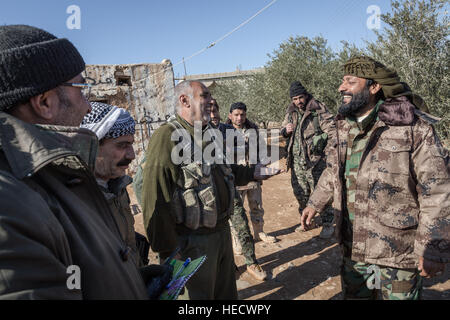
266 95
414 42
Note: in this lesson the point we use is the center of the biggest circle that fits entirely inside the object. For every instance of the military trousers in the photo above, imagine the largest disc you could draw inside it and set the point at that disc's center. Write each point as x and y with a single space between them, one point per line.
362 281
255 204
241 230
215 280
303 181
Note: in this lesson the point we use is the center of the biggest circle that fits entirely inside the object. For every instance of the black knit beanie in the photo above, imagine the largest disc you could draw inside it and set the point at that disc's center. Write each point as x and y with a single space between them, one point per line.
297 89
33 61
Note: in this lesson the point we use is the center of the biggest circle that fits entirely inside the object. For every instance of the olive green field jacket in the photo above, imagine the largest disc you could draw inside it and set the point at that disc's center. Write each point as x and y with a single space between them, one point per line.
58 238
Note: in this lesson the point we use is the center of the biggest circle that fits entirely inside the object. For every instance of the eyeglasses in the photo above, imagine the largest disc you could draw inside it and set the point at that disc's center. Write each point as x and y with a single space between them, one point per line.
85 87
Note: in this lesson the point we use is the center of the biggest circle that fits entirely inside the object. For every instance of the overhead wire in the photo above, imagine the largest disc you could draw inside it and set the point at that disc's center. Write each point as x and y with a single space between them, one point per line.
212 44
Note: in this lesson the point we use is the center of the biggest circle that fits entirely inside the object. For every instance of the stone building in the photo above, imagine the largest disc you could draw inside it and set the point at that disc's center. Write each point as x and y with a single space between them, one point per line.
145 90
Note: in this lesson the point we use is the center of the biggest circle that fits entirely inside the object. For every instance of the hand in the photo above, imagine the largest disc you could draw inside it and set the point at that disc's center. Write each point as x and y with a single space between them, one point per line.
154 271
307 216
430 268
289 128
176 257
262 172
156 277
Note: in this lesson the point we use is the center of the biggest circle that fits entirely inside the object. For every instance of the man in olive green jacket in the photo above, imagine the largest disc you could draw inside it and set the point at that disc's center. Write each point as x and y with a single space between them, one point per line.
176 213
58 238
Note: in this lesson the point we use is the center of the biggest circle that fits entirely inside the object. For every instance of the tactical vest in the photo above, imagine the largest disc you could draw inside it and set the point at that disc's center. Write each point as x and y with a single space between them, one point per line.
194 202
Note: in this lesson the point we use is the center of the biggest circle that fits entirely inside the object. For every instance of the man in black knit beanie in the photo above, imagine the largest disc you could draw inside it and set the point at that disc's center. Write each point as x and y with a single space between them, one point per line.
308 126
58 238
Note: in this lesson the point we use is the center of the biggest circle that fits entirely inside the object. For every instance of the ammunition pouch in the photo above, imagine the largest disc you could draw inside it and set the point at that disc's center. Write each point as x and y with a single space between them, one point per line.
320 138
194 201
319 142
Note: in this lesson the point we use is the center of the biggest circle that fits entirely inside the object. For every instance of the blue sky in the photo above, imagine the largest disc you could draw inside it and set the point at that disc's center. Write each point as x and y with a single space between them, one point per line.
136 31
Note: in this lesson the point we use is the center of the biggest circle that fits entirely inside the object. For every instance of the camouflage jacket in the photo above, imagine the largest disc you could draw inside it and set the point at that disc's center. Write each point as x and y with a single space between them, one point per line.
53 216
306 125
402 202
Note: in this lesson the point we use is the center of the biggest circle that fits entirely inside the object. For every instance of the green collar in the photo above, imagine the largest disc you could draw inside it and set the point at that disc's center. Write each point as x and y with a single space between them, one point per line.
367 123
190 127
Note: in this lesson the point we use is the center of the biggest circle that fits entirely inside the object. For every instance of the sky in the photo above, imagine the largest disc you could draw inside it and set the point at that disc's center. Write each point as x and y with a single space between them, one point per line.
138 31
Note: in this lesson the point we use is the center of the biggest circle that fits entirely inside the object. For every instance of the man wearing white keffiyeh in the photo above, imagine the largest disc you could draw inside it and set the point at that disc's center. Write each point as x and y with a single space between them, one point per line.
108 121
115 130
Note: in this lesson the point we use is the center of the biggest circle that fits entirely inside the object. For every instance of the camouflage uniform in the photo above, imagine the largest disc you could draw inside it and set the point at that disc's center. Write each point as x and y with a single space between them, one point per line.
395 284
241 231
394 204
407 283
253 194
252 191
306 165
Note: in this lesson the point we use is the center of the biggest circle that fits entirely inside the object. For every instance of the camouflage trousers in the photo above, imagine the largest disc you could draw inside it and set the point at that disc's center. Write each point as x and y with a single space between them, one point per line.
254 199
304 181
369 282
241 230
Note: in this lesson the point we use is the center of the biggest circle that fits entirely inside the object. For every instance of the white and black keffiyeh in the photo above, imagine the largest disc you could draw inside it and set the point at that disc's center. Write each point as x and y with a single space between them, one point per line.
108 121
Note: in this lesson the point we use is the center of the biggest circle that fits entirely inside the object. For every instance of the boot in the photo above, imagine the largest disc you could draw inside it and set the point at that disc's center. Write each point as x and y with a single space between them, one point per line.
260 235
257 272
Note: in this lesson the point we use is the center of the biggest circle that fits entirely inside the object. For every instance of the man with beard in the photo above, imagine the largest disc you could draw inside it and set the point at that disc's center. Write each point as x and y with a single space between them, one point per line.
309 126
389 178
58 237
187 200
115 130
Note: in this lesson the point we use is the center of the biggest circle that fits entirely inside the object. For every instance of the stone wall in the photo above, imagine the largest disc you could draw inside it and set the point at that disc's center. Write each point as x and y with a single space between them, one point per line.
145 90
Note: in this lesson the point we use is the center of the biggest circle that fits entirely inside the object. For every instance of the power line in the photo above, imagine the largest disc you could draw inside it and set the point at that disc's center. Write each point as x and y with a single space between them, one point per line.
212 44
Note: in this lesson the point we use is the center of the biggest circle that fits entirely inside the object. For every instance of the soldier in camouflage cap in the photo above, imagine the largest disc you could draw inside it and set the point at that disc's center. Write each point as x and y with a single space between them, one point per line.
389 178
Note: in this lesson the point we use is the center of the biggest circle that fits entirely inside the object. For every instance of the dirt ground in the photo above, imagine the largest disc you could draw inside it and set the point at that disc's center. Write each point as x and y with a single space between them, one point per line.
300 266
